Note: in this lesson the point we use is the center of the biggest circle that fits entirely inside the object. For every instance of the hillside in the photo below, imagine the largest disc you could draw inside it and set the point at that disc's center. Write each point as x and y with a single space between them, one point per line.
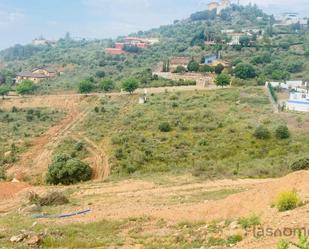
108 152
273 55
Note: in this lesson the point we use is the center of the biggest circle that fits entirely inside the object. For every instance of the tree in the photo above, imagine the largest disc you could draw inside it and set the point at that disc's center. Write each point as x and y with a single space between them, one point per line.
219 68
107 85
244 71
180 69
4 90
193 66
86 86
223 80
130 85
165 127
244 41
282 132
2 79
67 170
206 69
25 87
100 74
262 132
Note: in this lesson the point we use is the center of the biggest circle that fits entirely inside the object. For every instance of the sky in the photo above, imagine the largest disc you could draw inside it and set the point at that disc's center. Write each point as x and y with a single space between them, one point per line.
23 20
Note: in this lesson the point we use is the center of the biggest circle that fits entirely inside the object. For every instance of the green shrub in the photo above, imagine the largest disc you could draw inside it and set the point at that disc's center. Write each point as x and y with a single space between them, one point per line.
25 87
288 200
234 239
250 221
283 245
302 164
86 86
165 127
67 170
262 132
282 132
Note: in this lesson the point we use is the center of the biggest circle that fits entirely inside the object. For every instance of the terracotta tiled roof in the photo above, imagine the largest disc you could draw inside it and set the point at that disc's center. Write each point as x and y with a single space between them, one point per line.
179 60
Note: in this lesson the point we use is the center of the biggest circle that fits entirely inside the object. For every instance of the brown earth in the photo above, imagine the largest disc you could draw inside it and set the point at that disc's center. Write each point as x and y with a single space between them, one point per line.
172 202
34 163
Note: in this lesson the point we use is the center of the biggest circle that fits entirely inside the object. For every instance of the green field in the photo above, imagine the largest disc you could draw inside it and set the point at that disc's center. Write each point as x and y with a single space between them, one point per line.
211 134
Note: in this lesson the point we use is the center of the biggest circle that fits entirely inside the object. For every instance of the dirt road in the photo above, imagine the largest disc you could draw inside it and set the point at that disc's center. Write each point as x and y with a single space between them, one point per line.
34 163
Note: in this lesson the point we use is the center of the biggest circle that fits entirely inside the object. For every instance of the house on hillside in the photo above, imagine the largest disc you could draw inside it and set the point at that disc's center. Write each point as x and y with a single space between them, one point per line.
214 60
289 18
141 43
235 38
298 102
174 62
36 75
114 51
296 85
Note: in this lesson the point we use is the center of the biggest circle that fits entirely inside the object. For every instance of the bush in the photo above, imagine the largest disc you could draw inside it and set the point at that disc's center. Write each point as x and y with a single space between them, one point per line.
25 87
107 85
100 74
282 132
287 201
165 127
283 244
67 170
130 85
180 69
86 86
250 221
52 199
302 164
262 132
244 71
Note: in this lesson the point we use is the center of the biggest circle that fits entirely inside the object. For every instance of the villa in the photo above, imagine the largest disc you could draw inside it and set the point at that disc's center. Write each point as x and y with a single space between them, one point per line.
36 75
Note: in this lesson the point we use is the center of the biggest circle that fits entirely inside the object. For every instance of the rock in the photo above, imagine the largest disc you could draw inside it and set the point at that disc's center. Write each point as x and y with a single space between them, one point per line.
18 238
7 154
15 180
234 225
34 240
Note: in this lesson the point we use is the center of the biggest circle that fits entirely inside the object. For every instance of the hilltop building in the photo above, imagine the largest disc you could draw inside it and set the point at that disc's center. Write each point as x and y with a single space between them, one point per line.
36 75
289 18
41 41
219 6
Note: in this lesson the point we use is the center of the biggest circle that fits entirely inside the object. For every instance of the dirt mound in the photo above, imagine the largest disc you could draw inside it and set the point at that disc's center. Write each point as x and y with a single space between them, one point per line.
9 189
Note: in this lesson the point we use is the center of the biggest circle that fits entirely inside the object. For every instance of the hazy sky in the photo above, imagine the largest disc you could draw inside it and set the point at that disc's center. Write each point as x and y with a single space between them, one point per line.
23 20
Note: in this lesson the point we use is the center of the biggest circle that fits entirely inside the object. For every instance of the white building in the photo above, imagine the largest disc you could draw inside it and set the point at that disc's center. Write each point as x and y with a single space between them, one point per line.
219 6
297 85
298 102
290 18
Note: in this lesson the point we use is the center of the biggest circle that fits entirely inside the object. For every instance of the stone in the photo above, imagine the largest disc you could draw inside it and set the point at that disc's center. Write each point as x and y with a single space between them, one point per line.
234 225
7 154
34 240
18 238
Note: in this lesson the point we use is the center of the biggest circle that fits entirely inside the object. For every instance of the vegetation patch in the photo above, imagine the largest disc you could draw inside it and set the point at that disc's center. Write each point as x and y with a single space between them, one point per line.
67 170
288 200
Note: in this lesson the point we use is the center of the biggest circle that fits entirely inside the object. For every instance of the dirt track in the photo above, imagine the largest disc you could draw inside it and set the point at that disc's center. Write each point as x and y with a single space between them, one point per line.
172 202
33 164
